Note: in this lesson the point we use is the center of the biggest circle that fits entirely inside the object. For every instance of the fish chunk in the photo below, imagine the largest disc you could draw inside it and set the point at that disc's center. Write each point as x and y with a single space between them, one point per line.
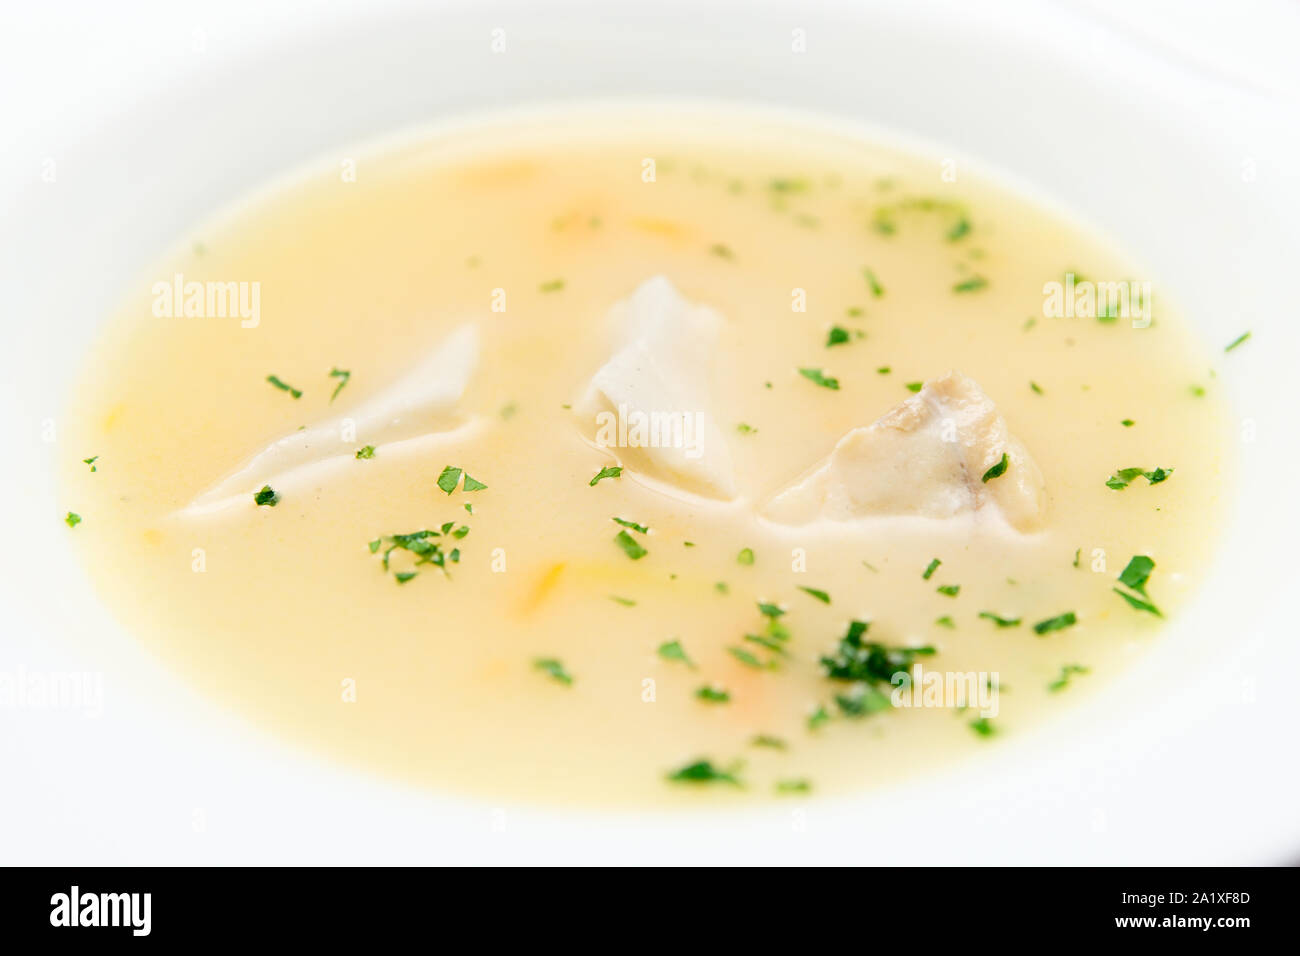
649 404
422 403
927 457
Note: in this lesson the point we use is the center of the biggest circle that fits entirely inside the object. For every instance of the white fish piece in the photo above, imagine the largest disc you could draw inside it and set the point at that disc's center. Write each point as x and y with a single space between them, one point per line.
649 405
419 405
925 457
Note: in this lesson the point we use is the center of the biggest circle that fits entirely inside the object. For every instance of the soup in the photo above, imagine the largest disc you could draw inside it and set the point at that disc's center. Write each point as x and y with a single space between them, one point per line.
645 459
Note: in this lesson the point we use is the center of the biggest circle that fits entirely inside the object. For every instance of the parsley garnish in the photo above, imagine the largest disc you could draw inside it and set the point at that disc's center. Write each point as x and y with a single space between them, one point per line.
973 284
858 660
343 375
450 478
91 462
930 569
819 377
631 547
1058 623
838 335
1237 341
877 290
367 451
72 519
999 620
554 285
673 651
998 470
703 771
267 496
766 740
553 668
793 786
951 590
713 695
983 726
631 524
819 595
284 386
1125 476
612 471
746 556
1063 680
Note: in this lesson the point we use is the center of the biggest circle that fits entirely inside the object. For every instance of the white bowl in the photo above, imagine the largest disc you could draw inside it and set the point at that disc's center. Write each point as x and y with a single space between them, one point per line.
1188 757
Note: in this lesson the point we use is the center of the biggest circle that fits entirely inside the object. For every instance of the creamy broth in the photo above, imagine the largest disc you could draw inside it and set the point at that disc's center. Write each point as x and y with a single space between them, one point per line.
286 613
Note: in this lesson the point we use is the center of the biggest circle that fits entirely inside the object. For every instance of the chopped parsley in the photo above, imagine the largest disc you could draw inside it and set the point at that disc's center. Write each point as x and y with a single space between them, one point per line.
404 576
703 771
745 657
91 462
746 556
770 610
930 569
284 386
367 451
959 229
998 470
554 285
793 786
877 290
746 429
1127 422
1125 476
72 519
1136 573
999 620
1137 603
450 478
973 284
423 545
767 740
819 595
631 524
721 251
858 660
554 669
914 386
626 602
818 717
983 726
819 377
1058 623
267 496
945 621
712 695
1063 680
343 375
612 471
838 335
1035 388
630 546
673 651
951 590
1243 337
861 701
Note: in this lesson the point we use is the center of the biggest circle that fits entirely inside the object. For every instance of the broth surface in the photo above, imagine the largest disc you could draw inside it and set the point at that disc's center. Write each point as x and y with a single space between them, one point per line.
280 611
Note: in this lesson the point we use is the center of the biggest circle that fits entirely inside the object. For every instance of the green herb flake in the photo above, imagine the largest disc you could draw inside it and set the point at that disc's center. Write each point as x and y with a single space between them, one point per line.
554 285
1128 422
745 557
673 651
721 251
1035 388
951 590
818 594
712 695
767 740
1137 603
914 386
472 484
973 284
631 524
930 569
983 727
745 429
626 602
818 718
703 771
72 519
554 669
613 471
998 470
91 462
367 451
945 621
867 661
344 376
1136 572
999 620
770 610
838 335
793 786
1239 340
877 290
1058 623
630 546
819 377
284 386
1125 476
267 496
1063 680
449 478
404 576
745 657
